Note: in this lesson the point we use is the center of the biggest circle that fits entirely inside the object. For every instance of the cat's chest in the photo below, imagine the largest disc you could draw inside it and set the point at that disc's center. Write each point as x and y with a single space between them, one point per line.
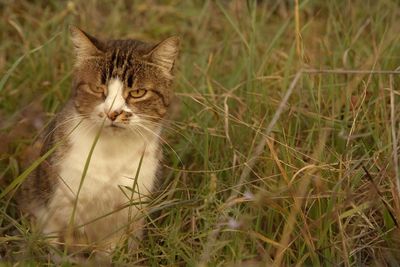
112 164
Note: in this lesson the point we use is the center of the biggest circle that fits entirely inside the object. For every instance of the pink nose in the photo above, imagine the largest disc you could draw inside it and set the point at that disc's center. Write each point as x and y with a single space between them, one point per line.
113 115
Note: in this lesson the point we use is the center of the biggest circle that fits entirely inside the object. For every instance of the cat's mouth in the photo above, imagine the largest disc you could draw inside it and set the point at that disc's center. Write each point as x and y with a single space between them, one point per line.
115 126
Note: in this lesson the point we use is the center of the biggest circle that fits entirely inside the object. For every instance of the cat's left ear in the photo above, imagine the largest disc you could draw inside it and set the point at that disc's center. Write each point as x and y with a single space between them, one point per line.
165 53
86 46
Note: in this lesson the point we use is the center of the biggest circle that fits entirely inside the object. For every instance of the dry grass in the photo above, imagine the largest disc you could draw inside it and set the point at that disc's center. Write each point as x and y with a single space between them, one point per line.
284 150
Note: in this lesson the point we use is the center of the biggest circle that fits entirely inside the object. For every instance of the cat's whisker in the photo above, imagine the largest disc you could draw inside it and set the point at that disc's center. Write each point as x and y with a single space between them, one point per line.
168 128
163 140
137 131
163 123
88 128
160 124
146 116
66 121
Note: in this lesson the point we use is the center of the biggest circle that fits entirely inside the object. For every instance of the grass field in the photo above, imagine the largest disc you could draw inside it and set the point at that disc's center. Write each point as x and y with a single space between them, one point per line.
268 160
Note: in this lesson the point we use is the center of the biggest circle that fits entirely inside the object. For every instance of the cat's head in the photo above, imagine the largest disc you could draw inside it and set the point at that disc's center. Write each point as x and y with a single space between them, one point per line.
124 82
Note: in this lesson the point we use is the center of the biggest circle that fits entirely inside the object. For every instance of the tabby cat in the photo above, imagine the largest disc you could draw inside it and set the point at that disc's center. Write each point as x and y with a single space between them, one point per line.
106 143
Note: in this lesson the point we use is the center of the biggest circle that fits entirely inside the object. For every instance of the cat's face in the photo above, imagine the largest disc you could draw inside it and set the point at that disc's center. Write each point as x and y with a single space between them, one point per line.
123 83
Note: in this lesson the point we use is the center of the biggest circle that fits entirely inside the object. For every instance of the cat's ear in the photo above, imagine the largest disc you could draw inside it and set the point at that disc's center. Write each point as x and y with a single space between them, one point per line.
164 54
86 46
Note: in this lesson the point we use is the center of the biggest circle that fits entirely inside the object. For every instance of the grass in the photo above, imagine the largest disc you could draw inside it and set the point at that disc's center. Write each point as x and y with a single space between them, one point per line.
250 177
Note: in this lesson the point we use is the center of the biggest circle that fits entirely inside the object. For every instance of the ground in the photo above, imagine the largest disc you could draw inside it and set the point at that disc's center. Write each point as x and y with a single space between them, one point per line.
284 147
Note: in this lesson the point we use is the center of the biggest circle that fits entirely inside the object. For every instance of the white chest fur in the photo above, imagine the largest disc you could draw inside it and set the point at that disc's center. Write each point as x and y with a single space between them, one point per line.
112 168
114 162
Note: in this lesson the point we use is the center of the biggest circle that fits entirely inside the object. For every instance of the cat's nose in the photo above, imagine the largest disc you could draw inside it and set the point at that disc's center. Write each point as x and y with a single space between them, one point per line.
114 114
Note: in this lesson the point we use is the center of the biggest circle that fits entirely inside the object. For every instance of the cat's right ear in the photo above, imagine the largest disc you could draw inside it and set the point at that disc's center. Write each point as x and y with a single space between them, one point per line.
86 46
164 54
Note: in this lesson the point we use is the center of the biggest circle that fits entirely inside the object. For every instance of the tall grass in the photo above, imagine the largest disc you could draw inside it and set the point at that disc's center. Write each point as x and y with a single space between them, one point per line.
268 161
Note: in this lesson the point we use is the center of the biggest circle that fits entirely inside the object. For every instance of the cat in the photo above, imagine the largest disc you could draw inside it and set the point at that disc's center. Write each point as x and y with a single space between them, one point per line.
106 143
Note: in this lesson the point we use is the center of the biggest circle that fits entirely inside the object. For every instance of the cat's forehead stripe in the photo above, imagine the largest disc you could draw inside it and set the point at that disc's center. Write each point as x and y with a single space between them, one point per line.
119 61
110 68
130 80
119 64
126 66
104 75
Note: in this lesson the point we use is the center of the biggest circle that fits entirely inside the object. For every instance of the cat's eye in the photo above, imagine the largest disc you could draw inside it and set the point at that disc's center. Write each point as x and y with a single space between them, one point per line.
138 93
98 89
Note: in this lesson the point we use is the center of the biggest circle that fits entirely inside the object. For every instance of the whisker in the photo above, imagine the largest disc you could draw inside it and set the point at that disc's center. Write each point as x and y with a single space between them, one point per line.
137 130
165 127
66 121
163 140
163 119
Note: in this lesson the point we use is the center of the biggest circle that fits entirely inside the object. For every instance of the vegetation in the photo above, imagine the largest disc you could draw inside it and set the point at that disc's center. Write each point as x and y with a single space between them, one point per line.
268 160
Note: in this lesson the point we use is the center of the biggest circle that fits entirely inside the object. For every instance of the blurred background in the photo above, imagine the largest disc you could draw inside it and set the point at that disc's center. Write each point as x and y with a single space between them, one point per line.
316 186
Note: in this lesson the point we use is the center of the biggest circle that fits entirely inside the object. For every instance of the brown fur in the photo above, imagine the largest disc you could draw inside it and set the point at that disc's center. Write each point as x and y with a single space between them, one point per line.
39 186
